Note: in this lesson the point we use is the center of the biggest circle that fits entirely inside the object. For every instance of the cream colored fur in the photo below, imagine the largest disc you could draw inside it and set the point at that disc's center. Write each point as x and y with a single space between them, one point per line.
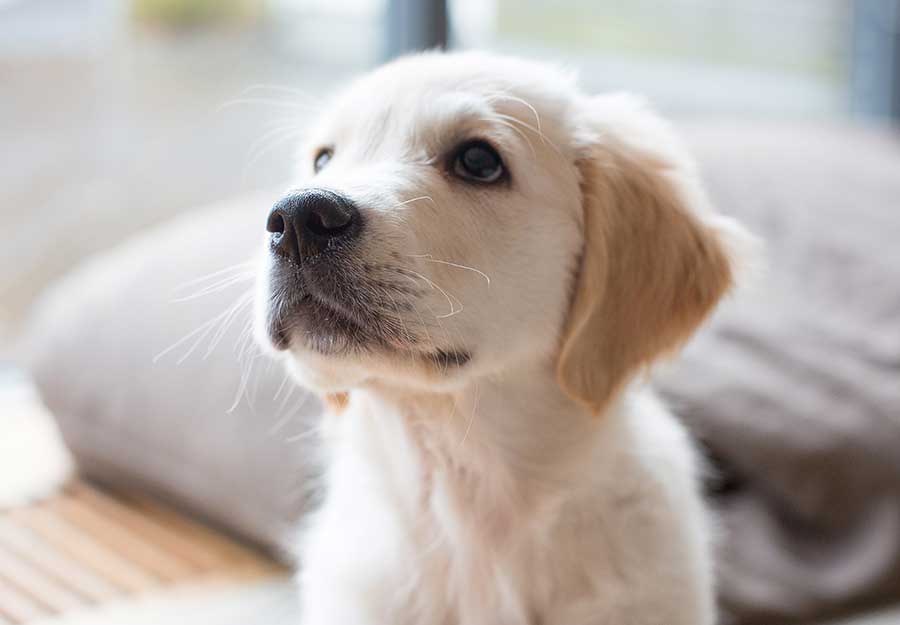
541 483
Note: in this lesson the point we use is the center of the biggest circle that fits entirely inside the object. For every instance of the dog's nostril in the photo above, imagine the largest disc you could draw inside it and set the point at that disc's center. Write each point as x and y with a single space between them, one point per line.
275 224
328 220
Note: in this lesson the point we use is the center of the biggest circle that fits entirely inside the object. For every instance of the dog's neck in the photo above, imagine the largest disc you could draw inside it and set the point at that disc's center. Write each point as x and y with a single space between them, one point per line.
515 435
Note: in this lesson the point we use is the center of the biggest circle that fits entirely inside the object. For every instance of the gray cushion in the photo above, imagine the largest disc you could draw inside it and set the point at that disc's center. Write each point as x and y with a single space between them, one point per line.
794 388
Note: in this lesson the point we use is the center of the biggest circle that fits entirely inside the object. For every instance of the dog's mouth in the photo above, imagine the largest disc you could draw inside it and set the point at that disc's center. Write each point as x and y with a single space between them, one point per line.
326 312
321 327
329 313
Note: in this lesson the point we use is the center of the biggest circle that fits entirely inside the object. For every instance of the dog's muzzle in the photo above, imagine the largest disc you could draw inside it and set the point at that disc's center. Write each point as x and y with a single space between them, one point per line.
316 289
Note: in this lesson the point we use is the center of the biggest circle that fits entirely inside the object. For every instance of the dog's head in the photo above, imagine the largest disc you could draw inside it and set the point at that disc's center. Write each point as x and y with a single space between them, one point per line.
456 215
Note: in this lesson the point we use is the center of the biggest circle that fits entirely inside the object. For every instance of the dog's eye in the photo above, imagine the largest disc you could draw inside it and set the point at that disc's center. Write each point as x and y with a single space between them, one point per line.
478 161
322 157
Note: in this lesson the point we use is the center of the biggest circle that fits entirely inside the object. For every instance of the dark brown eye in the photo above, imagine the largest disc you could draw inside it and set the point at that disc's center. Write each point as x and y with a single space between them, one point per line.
478 161
322 157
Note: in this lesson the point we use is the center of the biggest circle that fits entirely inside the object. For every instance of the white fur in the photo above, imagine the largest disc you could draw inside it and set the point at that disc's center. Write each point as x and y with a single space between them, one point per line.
485 495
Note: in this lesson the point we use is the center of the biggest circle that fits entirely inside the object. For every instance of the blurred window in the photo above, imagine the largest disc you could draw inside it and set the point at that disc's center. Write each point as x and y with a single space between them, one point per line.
696 56
346 33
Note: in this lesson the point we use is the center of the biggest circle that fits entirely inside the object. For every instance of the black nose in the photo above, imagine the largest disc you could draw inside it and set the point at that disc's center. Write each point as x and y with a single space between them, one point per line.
305 224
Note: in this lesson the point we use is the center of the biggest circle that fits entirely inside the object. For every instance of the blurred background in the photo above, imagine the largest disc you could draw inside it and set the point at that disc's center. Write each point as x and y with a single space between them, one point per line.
118 115
115 114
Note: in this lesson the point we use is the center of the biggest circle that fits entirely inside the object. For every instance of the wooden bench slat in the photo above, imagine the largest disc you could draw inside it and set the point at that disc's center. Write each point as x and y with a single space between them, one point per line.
148 557
241 559
43 590
197 553
63 536
83 548
17 608
66 571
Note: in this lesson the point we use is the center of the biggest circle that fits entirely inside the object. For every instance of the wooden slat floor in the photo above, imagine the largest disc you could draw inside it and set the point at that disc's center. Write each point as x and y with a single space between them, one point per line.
86 547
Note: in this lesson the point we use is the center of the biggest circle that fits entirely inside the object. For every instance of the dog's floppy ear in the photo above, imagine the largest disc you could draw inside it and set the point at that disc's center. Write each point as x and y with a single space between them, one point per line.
655 258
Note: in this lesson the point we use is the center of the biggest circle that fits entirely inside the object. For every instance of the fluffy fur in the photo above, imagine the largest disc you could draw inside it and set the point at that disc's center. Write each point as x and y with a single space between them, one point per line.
537 481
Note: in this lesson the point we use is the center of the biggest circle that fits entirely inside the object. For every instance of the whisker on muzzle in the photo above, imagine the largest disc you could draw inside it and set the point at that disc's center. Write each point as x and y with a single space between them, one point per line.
404 203
453 301
428 258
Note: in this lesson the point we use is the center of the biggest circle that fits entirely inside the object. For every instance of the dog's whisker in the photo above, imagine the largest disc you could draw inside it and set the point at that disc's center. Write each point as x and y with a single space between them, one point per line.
399 317
477 396
299 107
452 312
203 330
310 433
289 98
206 328
300 93
521 134
440 326
431 259
449 339
216 274
424 325
284 416
450 300
245 378
444 331
244 343
259 149
537 131
522 101
416 199
226 323
459 341
221 285
284 379
290 130
283 405
409 337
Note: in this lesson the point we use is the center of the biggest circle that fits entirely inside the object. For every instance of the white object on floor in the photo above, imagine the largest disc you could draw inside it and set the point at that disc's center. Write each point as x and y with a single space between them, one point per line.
34 462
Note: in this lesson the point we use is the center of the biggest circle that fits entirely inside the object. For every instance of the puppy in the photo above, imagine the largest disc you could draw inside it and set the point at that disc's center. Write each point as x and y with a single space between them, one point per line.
475 264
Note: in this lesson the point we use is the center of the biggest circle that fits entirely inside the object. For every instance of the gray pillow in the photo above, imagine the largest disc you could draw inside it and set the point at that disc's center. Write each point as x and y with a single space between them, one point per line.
795 388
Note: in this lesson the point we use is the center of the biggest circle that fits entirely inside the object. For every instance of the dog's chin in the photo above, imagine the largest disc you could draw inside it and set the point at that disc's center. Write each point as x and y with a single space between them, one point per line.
339 373
323 351
326 373
342 370
309 324
328 352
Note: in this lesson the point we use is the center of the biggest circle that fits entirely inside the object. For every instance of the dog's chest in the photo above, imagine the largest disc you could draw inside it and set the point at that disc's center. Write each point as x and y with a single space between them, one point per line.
472 542
423 525
472 551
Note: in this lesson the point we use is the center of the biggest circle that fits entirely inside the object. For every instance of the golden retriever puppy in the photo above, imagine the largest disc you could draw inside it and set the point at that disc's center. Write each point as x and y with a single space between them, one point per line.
474 265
